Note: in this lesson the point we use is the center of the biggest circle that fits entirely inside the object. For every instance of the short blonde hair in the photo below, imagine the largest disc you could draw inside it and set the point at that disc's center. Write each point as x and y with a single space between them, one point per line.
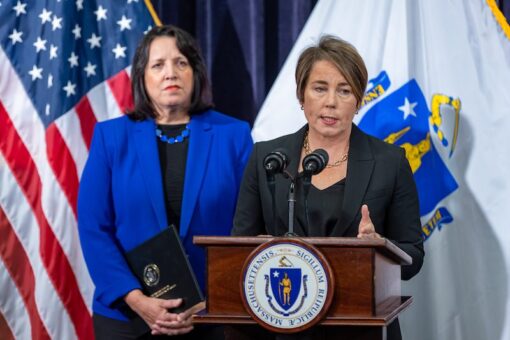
343 55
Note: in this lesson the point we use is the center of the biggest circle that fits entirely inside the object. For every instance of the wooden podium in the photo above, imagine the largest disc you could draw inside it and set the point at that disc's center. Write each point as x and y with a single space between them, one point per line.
367 287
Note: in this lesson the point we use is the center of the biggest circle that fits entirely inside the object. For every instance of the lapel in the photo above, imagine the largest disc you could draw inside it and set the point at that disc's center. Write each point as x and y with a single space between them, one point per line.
294 147
359 170
147 153
201 134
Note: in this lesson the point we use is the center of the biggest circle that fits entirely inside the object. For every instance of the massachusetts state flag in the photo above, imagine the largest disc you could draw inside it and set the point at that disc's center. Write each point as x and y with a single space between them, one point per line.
64 65
439 87
402 118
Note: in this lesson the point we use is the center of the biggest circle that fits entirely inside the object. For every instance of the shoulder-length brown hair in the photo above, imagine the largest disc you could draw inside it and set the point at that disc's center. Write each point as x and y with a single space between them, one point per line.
201 98
343 55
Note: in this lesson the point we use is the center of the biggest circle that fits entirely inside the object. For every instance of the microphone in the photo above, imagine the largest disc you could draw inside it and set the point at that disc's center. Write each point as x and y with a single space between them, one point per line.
315 162
276 162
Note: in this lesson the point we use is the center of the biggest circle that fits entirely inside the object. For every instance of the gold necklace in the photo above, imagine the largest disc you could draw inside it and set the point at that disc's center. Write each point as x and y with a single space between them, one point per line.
308 150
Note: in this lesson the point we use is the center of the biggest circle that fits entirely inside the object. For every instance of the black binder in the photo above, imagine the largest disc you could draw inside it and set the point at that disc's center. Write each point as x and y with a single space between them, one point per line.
162 267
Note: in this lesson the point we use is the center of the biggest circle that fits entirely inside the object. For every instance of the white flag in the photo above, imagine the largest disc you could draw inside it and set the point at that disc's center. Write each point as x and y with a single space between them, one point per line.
440 88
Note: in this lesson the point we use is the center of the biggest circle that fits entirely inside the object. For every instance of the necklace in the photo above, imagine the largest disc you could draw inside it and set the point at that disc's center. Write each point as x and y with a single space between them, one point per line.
172 140
308 150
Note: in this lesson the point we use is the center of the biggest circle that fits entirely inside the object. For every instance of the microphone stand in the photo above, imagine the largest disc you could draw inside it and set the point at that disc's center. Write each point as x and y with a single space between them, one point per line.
292 203
313 164
306 181
271 184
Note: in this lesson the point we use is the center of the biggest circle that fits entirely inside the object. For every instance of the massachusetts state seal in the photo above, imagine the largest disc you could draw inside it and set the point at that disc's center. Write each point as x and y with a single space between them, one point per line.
151 275
287 285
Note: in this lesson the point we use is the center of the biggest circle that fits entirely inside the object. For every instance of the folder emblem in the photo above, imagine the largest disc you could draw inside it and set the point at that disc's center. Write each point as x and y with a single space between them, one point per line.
151 274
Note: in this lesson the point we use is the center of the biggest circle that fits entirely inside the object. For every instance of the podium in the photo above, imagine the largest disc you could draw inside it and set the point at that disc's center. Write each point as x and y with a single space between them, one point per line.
366 291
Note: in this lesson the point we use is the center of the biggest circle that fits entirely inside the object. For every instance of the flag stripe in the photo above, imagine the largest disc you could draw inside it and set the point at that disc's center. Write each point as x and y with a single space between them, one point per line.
24 223
87 119
103 102
120 85
62 164
75 142
12 309
54 259
5 331
18 266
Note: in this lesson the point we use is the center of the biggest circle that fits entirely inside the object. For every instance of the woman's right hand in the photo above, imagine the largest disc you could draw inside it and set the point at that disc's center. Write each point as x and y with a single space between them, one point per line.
154 312
366 229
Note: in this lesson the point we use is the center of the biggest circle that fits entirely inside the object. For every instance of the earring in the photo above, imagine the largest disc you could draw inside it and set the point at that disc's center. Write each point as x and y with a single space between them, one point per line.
302 108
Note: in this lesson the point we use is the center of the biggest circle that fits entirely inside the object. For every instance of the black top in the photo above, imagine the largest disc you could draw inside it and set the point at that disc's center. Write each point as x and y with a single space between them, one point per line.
324 208
378 175
172 158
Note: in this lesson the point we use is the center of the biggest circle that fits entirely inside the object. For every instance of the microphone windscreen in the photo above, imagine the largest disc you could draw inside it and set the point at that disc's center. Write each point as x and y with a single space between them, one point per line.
315 162
276 161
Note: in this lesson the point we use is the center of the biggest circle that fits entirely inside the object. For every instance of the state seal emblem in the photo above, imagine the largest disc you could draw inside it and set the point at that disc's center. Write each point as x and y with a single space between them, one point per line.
287 285
151 275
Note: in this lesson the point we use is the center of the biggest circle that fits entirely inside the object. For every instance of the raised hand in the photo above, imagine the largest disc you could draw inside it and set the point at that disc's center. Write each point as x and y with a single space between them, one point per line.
366 228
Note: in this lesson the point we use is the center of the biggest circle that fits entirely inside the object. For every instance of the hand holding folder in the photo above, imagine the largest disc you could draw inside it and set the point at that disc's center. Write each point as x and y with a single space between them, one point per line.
156 313
163 269
163 327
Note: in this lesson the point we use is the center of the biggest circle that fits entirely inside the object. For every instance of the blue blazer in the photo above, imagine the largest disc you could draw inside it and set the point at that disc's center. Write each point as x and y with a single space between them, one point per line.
121 197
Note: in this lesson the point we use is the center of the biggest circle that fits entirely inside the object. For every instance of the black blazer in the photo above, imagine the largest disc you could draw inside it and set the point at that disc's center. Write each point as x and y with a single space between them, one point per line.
378 174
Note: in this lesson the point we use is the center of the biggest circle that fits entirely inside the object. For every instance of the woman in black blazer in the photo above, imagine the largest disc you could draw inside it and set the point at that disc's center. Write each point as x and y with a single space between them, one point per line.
367 189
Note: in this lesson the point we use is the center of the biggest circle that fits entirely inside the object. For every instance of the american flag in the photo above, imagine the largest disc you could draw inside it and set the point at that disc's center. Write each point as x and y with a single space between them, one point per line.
64 65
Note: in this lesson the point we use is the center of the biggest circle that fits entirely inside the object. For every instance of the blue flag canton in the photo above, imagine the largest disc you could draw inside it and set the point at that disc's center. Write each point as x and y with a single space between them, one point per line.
402 118
62 49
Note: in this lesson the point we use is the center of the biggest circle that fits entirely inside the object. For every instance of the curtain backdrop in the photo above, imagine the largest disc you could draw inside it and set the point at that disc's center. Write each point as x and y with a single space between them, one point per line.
504 5
244 44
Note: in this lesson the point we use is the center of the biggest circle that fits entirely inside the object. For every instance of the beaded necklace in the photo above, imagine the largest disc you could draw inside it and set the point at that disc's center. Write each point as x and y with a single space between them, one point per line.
172 140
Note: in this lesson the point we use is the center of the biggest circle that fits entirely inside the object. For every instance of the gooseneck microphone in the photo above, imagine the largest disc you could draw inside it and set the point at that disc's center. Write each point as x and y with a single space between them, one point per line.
275 163
313 164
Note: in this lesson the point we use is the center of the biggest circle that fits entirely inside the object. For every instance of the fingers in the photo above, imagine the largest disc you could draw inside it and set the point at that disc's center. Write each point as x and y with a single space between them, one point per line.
171 303
365 224
197 308
158 330
366 228
163 315
365 215
370 236
174 324
186 316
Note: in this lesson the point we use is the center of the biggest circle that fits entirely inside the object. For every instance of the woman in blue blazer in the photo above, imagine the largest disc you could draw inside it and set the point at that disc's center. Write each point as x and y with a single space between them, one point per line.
172 160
